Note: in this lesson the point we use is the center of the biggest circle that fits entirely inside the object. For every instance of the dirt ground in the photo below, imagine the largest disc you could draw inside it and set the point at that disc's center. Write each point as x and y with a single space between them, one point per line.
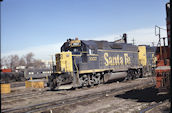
126 102
133 101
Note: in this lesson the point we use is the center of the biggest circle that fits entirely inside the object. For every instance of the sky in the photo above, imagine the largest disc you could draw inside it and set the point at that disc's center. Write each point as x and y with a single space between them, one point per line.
42 26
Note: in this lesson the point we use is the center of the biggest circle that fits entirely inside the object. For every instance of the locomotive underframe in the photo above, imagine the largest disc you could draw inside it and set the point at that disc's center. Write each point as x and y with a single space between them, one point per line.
91 79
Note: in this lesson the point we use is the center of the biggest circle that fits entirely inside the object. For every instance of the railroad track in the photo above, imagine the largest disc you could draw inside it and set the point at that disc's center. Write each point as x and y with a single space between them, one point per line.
21 83
71 100
29 94
16 98
17 84
6 99
152 107
13 98
21 93
17 95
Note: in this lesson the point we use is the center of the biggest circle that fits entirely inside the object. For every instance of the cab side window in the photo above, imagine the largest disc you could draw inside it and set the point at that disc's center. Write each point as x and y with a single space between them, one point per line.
84 58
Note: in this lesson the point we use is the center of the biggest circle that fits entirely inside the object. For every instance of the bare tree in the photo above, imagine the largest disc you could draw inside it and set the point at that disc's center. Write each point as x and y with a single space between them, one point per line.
39 64
5 61
22 61
29 59
11 61
14 61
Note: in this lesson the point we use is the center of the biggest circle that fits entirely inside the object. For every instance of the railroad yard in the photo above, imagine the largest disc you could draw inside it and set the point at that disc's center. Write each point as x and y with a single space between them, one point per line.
54 72
137 96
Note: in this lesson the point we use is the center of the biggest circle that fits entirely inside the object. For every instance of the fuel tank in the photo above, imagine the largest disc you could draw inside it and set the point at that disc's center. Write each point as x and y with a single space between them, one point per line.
113 76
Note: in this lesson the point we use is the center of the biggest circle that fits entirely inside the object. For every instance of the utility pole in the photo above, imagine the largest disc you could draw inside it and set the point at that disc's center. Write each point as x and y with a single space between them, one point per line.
133 41
159 36
52 64
153 43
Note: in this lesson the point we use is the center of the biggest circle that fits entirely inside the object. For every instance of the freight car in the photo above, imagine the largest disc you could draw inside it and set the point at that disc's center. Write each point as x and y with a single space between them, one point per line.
8 76
89 62
37 73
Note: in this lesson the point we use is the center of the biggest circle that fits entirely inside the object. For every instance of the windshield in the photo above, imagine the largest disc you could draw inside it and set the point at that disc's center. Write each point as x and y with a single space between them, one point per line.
75 49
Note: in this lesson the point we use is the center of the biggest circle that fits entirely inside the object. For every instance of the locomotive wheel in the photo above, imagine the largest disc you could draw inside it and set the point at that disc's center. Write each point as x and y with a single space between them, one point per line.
83 80
52 86
55 83
96 79
129 75
140 73
90 81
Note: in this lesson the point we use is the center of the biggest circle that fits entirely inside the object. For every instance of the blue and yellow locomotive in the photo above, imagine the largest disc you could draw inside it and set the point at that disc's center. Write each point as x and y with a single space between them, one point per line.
89 62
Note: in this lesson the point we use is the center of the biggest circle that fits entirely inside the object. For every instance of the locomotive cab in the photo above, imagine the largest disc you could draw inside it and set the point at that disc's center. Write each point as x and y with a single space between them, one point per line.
67 63
64 62
73 46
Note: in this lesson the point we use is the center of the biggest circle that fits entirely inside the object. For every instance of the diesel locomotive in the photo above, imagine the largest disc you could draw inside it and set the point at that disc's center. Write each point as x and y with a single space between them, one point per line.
90 62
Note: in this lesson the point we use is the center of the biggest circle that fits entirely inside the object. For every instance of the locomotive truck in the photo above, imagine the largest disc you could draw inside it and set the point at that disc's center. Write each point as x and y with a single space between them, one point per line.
89 62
